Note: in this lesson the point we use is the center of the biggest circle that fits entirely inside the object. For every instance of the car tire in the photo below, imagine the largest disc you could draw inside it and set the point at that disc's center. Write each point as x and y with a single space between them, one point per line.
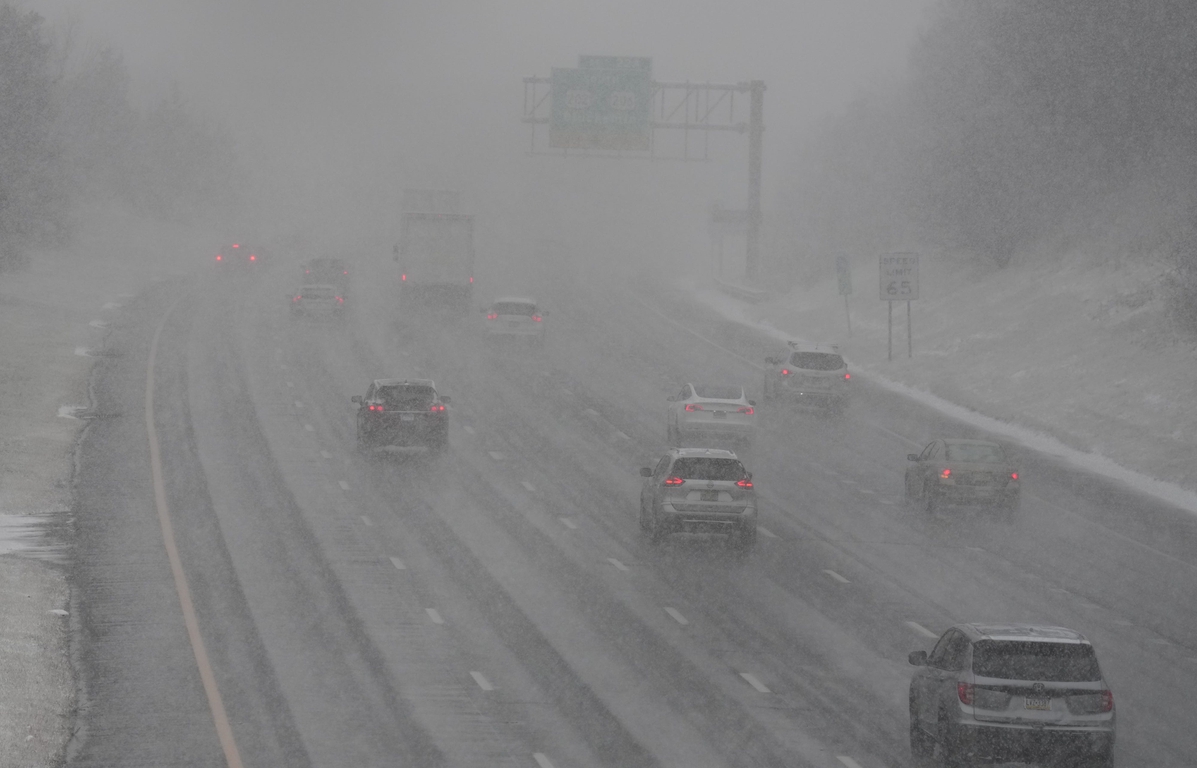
932 502
907 496
947 746
645 522
922 746
656 528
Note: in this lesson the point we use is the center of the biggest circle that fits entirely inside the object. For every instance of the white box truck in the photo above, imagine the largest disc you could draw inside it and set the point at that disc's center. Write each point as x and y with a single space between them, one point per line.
436 261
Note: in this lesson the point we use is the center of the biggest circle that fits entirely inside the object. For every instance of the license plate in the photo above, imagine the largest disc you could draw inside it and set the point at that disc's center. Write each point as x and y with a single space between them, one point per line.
1039 703
407 417
720 414
710 496
815 383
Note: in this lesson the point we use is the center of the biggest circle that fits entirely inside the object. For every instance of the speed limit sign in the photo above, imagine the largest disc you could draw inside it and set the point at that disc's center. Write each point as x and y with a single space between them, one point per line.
899 276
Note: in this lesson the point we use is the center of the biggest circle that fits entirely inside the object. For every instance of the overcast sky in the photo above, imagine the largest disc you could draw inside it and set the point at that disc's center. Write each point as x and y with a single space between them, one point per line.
350 93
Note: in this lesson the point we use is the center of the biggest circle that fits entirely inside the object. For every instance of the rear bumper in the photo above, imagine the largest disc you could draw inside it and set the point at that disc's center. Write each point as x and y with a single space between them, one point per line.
968 494
818 397
695 518
532 331
1010 743
405 433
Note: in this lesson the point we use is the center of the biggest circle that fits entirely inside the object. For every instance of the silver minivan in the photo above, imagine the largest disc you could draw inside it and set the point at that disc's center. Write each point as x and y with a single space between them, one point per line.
698 490
995 693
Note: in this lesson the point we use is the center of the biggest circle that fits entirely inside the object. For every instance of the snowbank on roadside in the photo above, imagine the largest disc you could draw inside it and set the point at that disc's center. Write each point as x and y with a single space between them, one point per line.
1067 357
54 318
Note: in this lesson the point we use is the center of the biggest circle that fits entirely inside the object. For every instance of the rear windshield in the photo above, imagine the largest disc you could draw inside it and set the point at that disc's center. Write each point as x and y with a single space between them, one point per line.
326 267
513 308
817 361
708 469
971 452
1029 660
407 397
719 393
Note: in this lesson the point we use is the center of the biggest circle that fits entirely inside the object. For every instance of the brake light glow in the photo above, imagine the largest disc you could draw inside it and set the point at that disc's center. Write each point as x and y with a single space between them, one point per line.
236 246
493 316
748 409
693 407
847 376
376 407
297 298
966 693
1013 475
403 278
438 408
219 257
745 483
674 481
946 473
340 300
785 371
1107 701
345 272
536 318
471 280
252 257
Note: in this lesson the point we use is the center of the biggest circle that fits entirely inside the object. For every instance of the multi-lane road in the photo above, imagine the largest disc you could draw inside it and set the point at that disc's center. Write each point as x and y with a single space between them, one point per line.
498 606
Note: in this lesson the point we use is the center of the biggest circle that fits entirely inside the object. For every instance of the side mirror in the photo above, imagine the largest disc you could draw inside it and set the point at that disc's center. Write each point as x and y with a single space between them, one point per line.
446 399
912 457
356 399
917 658
646 471
752 403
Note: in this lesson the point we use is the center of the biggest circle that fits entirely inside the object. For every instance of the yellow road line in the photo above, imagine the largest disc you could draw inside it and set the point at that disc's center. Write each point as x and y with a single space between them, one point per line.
223 730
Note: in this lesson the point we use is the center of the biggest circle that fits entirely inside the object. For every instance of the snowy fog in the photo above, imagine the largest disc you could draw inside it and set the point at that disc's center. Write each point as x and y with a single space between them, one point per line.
530 383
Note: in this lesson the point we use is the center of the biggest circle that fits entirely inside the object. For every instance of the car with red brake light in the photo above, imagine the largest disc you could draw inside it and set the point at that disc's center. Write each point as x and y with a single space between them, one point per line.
698 490
712 415
512 317
809 374
402 413
318 301
327 270
959 471
998 693
239 257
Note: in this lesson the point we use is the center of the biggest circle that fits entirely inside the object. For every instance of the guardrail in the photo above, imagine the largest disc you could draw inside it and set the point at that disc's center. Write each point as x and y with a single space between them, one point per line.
742 292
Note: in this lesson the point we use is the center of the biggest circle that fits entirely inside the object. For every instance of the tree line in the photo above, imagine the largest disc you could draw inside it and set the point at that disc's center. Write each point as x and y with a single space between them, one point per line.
1017 120
69 134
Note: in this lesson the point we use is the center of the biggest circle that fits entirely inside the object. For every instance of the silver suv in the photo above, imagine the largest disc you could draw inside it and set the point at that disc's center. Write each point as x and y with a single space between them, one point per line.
809 374
698 490
1011 693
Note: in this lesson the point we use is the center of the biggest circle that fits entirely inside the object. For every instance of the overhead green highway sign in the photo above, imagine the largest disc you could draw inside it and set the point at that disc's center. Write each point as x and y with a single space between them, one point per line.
603 104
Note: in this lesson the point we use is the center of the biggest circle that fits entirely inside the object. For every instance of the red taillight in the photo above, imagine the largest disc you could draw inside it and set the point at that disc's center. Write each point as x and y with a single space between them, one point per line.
219 257
745 483
965 692
693 407
404 277
946 473
307 271
471 280
536 318
1107 701
847 376
297 298
1013 475
674 481
492 316
785 371
746 409
253 257
236 246
346 272
375 407
340 300
438 408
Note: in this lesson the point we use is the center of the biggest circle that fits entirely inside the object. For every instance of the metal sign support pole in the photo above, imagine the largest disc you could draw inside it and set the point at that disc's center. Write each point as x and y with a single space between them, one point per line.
909 336
890 304
848 315
756 131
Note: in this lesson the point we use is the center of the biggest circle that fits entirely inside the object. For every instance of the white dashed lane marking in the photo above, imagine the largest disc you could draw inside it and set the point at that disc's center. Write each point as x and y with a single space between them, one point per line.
309 428
528 486
621 435
298 403
677 616
112 305
836 576
847 761
570 524
866 490
326 454
541 760
367 522
762 530
889 502
344 485
436 617
98 324
617 564
469 430
757 684
482 682
496 455
591 413
920 629
399 566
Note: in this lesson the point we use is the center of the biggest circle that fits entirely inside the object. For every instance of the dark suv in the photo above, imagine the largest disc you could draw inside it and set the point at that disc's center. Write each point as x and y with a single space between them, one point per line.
698 490
402 413
1011 693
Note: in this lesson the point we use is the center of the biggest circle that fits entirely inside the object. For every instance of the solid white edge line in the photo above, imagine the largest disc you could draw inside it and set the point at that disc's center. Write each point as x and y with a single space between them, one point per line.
757 684
496 455
541 760
399 566
568 523
836 576
434 615
309 428
468 429
617 564
762 530
919 628
847 761
677 616
528 486
367 522
344 485
482 682
298 403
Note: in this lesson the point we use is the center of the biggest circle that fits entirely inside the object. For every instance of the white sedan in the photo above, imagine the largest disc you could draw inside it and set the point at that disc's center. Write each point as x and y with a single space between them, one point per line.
706 415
